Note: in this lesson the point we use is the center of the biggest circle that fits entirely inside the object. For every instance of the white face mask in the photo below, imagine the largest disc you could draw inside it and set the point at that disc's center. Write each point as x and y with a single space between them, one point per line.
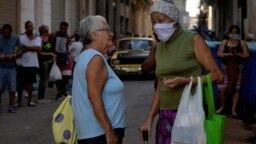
234 36
164 31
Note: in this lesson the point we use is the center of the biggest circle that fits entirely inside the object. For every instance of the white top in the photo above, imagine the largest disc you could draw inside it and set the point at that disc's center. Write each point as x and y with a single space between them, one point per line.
75 48
30 59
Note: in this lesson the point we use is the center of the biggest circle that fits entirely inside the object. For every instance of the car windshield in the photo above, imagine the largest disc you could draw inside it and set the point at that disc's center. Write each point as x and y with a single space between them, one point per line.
135 45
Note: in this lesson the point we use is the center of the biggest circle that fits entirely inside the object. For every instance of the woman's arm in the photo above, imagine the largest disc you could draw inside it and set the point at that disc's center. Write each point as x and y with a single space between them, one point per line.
149 64
96 76
245 53
47 54
155 105
204 56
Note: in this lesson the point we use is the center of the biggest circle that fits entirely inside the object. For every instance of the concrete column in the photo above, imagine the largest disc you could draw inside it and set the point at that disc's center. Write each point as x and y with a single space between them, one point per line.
82 9
38 13
111 14
101 7
253 18
27 13
71 15
117 18
92 7
67 9
47 14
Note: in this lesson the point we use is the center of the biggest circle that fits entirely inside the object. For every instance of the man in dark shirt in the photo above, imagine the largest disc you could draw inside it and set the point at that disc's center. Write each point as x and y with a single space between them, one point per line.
60 40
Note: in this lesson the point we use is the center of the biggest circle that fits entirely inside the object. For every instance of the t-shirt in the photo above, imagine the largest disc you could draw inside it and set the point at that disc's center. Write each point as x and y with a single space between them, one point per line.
8 46
47 48
30 59
61 49
75 48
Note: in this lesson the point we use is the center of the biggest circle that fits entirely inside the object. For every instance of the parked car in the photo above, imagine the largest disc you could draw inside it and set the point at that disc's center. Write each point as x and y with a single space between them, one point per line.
130 54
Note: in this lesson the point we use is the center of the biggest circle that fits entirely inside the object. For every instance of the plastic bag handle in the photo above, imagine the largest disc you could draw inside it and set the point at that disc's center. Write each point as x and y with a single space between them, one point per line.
186 96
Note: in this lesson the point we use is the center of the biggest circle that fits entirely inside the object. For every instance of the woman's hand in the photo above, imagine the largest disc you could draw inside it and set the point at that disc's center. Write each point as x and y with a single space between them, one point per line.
147 125
228 54
175 82
111 137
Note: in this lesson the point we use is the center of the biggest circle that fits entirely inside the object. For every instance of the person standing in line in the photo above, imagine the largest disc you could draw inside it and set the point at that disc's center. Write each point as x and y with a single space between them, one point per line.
98 94
31 46
75 49
60 41
111 48
232 53
250 37
179 55
46 57
9 50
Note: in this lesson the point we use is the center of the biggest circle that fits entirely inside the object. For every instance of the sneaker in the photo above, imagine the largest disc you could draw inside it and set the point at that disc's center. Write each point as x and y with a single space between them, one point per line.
16 105
31 104
234 113
219 110
57 96
44 101
11 109
25 95
60 98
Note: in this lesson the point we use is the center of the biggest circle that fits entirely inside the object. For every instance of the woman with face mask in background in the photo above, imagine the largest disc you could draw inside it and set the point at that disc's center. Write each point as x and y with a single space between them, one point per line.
232 53
179 55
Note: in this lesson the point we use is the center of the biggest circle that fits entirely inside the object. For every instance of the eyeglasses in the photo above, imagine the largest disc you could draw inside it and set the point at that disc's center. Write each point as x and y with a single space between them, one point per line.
104 29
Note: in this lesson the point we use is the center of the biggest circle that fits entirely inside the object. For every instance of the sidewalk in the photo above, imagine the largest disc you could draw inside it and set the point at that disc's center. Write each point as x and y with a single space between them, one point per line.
237 132
37 124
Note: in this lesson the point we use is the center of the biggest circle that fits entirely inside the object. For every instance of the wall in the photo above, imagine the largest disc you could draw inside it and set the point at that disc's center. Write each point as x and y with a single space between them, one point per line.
37 11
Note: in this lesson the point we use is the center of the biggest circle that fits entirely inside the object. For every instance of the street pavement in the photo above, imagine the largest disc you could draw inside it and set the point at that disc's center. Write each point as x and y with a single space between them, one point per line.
32 125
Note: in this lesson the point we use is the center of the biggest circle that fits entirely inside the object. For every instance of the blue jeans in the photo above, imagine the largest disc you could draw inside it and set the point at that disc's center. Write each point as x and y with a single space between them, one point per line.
8 77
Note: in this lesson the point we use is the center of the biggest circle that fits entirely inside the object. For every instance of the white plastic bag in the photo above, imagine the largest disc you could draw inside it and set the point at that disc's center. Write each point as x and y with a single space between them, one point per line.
55 73
188 126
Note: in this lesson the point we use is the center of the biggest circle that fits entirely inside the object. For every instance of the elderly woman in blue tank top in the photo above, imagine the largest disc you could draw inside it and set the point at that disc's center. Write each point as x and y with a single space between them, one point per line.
98 98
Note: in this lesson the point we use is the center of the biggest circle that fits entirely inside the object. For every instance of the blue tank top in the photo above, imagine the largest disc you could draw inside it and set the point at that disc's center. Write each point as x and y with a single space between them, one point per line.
86 123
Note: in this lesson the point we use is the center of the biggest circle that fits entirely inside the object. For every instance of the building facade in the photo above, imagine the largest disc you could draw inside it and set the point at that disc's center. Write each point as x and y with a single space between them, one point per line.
124 16
221 14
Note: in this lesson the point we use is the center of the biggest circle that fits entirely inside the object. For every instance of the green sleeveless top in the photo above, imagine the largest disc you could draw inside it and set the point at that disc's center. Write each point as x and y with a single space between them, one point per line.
175 58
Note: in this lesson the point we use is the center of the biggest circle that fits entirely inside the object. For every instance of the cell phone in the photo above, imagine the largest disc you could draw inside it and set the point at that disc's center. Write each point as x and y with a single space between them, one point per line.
145 135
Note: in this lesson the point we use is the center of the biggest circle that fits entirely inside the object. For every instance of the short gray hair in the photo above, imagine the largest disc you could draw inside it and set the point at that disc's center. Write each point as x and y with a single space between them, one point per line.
166 7
90 24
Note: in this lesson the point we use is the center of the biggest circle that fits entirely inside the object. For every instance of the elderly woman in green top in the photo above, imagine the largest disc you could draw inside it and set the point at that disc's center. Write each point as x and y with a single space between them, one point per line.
179 55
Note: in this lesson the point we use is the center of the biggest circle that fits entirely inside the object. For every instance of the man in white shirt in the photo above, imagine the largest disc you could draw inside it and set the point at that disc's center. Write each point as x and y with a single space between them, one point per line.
31 45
